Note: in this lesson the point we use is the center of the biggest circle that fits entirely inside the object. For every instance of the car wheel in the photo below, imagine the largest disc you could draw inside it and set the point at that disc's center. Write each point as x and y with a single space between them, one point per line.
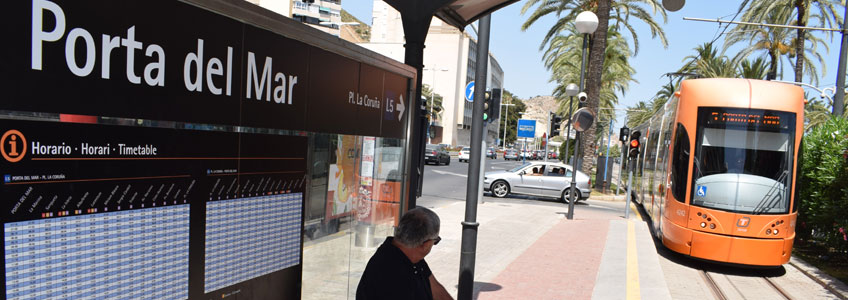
448 163
500 189
566 196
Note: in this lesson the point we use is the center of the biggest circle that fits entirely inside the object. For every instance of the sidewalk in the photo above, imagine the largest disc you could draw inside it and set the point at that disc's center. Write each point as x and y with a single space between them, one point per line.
528 250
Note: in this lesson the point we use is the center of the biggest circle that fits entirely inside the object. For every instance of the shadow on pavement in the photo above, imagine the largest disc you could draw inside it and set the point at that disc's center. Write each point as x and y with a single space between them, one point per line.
482 287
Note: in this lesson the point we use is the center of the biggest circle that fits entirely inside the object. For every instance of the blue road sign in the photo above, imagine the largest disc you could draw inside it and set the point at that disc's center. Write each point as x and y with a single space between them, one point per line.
526 128
469 92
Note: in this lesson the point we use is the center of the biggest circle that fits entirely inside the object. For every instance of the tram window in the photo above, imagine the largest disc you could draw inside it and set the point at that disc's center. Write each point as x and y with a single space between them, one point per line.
797 195
679 164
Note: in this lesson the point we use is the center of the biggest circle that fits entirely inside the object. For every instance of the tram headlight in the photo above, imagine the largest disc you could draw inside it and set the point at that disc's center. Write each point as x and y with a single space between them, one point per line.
768 231
712 226
703 224
775 232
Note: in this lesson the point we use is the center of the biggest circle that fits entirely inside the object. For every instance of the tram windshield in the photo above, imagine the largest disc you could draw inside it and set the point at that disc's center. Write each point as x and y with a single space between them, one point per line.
743 160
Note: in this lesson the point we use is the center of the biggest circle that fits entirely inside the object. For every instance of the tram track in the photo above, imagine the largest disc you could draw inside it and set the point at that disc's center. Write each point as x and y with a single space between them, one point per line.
717 293
721 294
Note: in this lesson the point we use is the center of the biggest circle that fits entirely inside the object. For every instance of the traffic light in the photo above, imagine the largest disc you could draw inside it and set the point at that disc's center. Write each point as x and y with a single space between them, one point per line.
556 124
495 105
623 134
487 99
634 144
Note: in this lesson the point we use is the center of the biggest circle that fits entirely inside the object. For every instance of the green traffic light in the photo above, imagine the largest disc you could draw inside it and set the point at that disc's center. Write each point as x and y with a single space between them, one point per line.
485 116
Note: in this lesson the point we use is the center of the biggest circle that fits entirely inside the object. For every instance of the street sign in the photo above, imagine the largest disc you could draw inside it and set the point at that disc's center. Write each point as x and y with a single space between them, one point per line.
469 92
526 128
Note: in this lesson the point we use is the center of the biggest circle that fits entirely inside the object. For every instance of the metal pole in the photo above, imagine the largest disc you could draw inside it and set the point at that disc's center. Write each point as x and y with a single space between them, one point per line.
469 226
606 159
839 95
568 130
629 183
506 120
547 136
624 148
573 188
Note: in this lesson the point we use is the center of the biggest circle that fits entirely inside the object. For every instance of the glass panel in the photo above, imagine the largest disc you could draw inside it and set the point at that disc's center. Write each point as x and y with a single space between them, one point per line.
743 160
354 202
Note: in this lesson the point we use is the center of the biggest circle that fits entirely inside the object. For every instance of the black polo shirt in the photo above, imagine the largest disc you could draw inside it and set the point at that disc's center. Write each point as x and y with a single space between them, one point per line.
391 275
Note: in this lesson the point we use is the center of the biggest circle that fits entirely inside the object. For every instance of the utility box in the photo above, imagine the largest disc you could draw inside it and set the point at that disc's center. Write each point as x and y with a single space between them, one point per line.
599 181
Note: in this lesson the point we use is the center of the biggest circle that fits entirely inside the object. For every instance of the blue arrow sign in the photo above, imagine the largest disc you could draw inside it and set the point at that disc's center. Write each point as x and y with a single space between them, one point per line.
469 92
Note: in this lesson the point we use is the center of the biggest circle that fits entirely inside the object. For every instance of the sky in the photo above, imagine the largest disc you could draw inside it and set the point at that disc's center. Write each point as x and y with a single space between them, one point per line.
525 75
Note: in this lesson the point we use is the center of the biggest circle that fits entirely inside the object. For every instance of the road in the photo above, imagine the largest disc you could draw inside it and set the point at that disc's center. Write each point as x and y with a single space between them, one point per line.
446 184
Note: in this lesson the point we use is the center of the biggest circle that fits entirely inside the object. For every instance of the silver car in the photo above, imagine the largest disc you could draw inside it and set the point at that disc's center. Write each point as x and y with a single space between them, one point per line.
549 179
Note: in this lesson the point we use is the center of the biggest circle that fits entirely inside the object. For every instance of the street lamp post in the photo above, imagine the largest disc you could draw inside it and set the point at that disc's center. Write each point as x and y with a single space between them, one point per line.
506 120
586 23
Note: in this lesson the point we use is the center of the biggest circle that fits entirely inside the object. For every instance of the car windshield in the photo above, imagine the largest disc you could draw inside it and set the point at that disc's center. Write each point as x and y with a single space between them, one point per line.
522 166
743 160
431 147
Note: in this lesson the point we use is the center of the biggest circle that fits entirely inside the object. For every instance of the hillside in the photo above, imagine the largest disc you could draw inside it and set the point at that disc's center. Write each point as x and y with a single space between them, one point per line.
537 109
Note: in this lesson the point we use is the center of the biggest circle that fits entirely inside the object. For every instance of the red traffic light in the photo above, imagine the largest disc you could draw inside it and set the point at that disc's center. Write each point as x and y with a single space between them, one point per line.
634 144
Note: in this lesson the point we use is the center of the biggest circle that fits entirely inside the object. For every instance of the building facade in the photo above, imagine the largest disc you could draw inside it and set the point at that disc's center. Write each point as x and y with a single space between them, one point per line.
450 62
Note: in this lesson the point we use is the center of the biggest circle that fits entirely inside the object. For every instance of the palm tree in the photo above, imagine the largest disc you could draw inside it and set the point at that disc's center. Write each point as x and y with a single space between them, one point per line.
434 105
638 114
774 41
756 69
619 11
708 63
826 12
563 56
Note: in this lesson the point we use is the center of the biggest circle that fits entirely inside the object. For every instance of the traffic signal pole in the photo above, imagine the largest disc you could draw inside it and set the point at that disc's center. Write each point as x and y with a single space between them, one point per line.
629 183
472 195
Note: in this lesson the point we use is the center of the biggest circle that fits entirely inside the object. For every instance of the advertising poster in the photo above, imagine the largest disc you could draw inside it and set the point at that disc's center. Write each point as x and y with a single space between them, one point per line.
342 184
366 171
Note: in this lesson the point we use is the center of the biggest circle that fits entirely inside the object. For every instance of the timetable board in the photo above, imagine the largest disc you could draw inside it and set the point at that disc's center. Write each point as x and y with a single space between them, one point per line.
128 212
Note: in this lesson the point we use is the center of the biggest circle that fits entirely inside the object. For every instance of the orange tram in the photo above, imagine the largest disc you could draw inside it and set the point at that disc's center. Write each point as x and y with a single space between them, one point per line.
717 169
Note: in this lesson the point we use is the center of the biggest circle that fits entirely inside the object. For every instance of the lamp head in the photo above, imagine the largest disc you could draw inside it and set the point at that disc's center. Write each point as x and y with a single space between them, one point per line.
572 89
586 22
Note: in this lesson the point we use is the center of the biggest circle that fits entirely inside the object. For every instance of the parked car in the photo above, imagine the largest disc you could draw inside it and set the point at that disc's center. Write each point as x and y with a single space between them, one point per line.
552 155
437 154
511 155
464 154
548 179
491 153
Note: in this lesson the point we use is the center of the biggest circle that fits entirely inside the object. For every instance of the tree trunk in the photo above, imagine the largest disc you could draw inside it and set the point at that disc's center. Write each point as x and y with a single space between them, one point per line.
799 42
772 73
593 81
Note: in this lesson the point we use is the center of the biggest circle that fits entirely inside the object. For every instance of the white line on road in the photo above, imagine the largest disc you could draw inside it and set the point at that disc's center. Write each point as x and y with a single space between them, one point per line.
450 173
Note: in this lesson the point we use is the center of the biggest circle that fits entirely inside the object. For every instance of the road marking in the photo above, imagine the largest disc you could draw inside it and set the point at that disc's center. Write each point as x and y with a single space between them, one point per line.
635 211
632 263
450 173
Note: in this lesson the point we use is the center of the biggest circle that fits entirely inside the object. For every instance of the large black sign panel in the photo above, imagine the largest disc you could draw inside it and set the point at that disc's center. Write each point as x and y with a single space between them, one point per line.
167 60
149 213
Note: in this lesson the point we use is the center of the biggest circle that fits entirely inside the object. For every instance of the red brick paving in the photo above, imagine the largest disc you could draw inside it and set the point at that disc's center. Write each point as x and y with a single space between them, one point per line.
562 264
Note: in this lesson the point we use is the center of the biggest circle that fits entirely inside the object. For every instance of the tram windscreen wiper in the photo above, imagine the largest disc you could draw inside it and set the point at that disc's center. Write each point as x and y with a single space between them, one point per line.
773 197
